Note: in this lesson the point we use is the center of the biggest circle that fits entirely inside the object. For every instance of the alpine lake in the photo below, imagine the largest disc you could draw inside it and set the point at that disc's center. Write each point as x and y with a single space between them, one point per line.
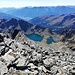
38 38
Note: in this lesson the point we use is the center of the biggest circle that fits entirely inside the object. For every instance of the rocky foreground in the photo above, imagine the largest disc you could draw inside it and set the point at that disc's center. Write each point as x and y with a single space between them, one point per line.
21 56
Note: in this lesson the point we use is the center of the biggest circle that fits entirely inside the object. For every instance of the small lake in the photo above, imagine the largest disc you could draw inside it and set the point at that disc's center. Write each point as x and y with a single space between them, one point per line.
38 38
35 37
50 40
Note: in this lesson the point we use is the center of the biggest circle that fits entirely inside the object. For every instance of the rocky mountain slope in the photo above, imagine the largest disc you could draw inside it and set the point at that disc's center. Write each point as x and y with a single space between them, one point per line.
55 23
69 37
21 56
13 26
13 23
19 24
68 33
25 57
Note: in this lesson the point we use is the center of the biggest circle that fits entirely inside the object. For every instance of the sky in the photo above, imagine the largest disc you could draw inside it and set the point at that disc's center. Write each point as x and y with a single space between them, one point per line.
25 3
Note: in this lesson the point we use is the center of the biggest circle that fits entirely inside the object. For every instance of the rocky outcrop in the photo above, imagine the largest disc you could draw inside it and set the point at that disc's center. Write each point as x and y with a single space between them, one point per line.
25 57
69 38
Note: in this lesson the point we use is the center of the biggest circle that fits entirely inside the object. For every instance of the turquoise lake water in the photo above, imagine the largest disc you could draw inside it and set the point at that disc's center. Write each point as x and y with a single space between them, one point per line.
38 38
35 37
50 40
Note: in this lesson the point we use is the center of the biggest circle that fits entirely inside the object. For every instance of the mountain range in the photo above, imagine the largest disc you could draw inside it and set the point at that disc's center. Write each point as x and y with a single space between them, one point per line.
55 23
54 54
28 13
43 20
9 26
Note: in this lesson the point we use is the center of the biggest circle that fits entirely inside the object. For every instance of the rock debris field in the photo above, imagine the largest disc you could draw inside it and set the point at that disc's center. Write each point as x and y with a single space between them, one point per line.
25 57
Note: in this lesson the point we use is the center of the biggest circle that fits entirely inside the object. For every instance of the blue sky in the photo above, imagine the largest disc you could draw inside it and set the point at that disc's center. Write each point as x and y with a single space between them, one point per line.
24 3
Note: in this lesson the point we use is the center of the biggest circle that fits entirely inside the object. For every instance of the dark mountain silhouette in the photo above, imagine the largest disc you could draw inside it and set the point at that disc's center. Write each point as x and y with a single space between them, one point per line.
13 23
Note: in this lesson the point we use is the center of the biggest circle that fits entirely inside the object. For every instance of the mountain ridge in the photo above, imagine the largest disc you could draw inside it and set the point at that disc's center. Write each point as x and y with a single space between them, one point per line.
27 13
8 26
55 23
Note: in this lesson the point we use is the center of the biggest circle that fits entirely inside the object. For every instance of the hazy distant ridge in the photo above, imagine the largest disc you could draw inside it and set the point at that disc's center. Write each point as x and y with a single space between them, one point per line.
31 12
